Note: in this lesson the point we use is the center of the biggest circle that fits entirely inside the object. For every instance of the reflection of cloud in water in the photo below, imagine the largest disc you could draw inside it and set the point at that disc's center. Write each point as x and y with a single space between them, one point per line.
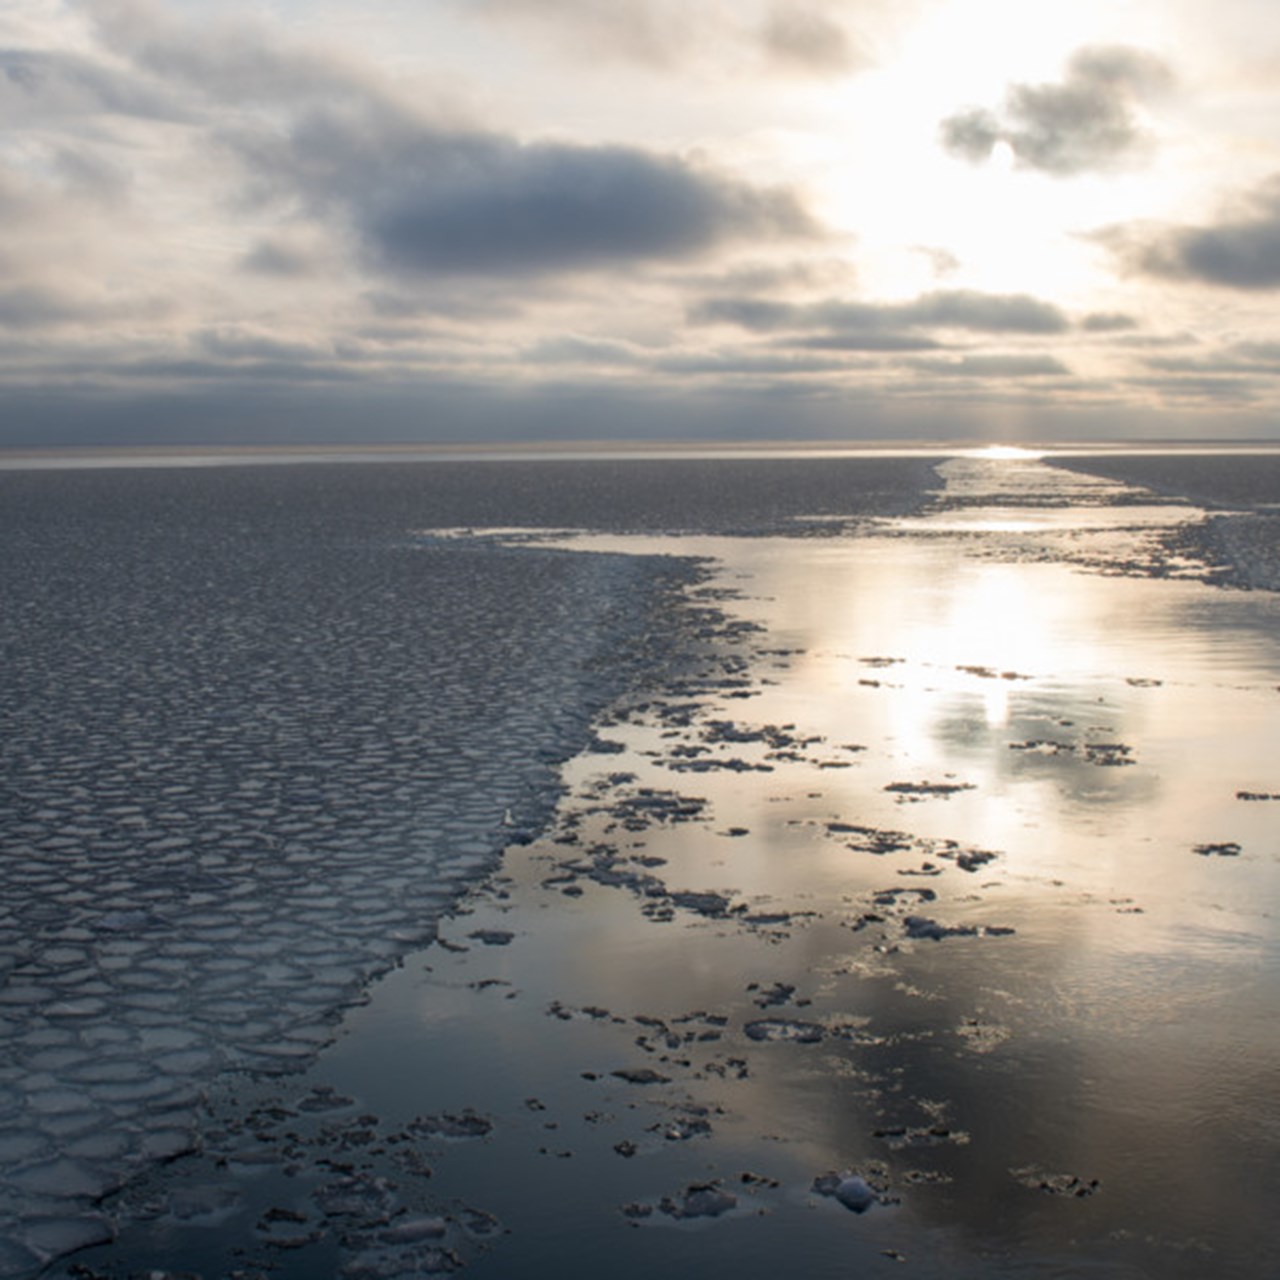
1123 1032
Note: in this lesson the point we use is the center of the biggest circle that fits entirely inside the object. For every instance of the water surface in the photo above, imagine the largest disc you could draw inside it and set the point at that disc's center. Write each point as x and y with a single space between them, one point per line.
952 870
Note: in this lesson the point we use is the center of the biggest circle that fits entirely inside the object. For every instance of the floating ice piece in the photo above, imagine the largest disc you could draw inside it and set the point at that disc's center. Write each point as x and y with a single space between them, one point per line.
708 903
924 927
924 790
1056 1184
850 1189
65 1179
413 1230
464 1124
769 1029
492 937
370 1201
699 1200
641 1075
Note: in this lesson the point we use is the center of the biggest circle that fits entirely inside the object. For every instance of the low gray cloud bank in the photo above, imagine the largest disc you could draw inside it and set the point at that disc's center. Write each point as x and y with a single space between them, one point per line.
945 309
1242 251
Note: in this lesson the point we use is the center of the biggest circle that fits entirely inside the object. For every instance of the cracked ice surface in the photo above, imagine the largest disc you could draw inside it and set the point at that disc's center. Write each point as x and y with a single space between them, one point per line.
251 748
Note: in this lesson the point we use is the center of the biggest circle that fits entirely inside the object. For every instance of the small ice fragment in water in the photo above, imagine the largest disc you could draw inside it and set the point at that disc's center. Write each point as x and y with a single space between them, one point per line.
699 1200
492 937
413 1231
641 1075
770 1029
1225 849
848 1188
466 1124
368 1200
1056 1184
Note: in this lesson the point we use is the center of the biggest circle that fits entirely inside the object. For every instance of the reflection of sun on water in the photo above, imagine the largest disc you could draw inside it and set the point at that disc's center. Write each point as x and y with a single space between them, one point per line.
992 622
1005 453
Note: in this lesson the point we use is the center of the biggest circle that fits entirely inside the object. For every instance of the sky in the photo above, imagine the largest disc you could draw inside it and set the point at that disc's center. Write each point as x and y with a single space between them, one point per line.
486 220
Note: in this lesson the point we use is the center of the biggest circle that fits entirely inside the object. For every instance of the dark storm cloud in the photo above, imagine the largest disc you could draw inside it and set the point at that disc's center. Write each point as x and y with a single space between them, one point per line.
1084 123
1242 251
436 201
947 309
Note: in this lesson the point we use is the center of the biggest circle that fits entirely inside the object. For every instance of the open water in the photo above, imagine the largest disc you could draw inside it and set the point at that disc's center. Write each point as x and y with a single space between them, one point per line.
909 902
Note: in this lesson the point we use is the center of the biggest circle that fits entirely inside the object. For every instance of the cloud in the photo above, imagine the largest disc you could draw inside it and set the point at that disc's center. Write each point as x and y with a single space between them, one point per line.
426 200
233 60
38 306
47 84
1086 122
945 309
290 256
657 32
1256 358
1107 322
747 363
942 262
1242 251
1202 389
792 36
319 135
867 342
995 366
571 348
235 342
806 39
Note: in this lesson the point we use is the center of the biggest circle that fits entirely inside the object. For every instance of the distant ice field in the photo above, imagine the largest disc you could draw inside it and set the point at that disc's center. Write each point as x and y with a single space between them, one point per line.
259 729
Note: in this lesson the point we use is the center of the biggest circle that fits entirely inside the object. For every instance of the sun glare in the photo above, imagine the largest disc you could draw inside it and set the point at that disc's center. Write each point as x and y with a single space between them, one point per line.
885 175
1005 453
